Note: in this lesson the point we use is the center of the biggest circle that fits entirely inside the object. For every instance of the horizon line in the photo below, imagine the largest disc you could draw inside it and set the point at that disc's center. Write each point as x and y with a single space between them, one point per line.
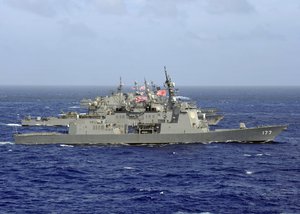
114 85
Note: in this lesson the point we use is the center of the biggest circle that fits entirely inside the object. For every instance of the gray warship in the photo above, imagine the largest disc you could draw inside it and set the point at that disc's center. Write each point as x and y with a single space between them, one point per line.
98 108
149 121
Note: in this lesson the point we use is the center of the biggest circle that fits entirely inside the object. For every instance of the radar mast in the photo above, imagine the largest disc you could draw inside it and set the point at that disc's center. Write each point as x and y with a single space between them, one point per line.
171 89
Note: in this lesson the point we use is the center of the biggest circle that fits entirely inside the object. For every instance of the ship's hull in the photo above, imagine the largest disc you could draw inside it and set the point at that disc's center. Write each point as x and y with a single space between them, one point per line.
259 134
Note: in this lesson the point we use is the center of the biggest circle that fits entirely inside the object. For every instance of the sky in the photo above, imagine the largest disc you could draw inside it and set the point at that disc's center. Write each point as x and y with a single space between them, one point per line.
202 42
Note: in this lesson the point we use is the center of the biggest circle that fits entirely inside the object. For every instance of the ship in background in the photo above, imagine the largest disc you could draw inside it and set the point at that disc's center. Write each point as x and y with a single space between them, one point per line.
102 105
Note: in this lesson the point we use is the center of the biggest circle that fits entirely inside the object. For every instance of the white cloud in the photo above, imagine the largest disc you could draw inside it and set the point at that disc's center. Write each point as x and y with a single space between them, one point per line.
253 34
43 8
116 7
87 36
52 8
76 29
166 8
156 8
228 6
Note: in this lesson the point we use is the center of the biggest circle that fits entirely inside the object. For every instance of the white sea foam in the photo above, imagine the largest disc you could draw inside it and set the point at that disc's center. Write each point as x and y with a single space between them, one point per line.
74 107
64 145
128 167
147 189
247 155
13 124
182 98
6 142
259 154
249 172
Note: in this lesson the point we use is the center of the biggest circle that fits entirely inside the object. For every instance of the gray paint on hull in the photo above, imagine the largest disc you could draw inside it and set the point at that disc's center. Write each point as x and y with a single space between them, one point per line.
211 120
259 134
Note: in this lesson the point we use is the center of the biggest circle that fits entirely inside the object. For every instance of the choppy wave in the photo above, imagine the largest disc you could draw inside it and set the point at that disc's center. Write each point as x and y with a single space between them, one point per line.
176 178
13 124
6 142
74 107
66 145
248 172
10 124
128 167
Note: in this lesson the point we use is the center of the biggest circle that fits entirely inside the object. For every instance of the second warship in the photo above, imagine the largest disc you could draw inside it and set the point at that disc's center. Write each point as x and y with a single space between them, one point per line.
98 107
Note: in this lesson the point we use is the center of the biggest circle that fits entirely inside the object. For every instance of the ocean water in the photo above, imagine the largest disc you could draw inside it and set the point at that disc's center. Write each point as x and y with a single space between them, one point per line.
178 178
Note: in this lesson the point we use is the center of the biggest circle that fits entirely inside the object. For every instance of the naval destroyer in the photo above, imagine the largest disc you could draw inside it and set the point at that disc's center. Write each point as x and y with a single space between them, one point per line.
146 120
100 105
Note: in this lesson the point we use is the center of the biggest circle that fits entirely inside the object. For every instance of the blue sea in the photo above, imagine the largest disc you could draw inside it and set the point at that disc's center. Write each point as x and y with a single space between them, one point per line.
178 178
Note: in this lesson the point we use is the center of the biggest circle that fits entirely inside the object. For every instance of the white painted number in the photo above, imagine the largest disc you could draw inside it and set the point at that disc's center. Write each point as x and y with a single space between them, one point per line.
267 132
